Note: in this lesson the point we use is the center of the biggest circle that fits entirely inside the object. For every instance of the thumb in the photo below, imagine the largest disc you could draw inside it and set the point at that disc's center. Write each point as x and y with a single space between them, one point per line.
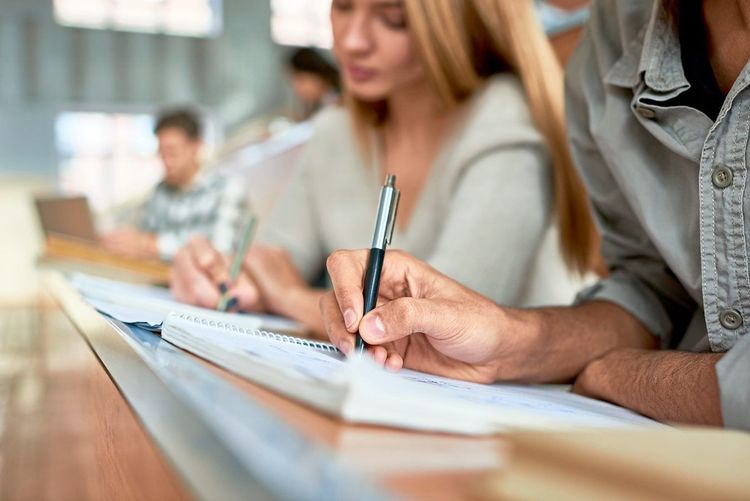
247 293
403 317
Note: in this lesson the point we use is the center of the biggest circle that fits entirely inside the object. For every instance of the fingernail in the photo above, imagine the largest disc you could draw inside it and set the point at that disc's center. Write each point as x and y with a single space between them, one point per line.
223 287
375 327
232 303
346 347
350 318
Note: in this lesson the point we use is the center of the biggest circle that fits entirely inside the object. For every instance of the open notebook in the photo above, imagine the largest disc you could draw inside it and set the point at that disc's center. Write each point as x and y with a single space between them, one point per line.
147 306
358 391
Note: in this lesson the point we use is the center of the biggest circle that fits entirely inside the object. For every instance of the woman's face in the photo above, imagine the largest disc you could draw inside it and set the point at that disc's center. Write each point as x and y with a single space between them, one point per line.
374 48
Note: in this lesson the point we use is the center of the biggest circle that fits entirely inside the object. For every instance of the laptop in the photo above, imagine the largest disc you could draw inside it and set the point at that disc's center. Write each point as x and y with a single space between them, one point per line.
69 217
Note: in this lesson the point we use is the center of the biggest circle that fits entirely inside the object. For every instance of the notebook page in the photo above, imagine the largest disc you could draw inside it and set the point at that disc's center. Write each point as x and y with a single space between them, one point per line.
408 399
270 349
149 305
550 401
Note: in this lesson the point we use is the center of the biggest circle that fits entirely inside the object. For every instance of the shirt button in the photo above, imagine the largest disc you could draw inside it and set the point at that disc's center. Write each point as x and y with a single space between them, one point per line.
646 113
722 177
730 319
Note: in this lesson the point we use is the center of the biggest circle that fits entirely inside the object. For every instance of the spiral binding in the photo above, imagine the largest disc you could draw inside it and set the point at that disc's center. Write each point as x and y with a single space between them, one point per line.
235 329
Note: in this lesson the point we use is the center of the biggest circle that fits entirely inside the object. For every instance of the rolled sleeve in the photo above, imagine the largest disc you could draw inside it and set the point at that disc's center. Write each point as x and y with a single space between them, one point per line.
630 293
733 371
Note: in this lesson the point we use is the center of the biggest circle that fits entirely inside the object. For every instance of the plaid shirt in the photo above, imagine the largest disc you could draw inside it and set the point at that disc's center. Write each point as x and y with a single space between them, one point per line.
213 206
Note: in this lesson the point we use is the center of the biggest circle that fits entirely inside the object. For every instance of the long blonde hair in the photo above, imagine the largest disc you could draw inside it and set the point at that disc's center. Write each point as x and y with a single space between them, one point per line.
461 43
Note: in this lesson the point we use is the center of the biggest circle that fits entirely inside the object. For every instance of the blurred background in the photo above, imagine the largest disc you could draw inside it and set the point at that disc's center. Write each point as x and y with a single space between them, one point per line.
81 81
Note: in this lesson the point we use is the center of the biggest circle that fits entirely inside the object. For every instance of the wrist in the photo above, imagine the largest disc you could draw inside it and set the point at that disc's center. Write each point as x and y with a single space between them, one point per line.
289 303
302 304
517 355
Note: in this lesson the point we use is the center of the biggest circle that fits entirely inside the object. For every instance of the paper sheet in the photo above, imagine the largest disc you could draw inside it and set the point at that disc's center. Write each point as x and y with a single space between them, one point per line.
147 306
543 405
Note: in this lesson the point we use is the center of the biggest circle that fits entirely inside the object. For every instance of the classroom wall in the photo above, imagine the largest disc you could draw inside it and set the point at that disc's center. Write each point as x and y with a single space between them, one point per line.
46 69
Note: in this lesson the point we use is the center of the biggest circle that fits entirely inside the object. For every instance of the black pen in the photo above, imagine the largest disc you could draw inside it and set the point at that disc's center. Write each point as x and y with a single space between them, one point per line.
382 235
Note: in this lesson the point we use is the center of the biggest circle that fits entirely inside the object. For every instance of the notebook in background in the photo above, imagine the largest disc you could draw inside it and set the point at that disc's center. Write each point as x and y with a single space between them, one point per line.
146 306
358 391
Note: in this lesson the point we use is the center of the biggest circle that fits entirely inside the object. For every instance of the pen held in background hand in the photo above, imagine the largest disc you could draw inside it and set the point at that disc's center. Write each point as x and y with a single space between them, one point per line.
246 238
385 222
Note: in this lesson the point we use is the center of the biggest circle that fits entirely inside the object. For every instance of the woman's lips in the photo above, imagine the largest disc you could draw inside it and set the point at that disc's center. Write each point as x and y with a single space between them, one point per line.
360 74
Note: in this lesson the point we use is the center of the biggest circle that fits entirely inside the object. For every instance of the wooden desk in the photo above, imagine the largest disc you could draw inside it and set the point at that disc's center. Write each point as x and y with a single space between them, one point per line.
67 254
67 422
67 432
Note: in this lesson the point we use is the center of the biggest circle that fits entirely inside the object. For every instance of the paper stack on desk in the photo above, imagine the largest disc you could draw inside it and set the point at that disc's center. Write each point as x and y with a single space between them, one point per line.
147 306
358 391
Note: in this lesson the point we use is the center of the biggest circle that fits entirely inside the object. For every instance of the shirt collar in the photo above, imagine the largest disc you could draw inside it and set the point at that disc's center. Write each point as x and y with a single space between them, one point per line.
653 57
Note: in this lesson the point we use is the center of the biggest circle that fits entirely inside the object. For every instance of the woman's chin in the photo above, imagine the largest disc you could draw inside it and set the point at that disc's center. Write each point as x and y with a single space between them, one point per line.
367 93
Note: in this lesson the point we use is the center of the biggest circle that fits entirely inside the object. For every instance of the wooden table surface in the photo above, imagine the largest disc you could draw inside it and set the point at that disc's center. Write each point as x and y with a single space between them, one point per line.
66 432
410 464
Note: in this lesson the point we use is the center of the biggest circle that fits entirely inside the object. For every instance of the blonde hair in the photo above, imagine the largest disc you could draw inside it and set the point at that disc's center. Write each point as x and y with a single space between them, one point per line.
461 43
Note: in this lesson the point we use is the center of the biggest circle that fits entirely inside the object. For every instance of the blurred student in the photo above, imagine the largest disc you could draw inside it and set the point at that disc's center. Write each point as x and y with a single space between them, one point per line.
186 203
314 80
464 105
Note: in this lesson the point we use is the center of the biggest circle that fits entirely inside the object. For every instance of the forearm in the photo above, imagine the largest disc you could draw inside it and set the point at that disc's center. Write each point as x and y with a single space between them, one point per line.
665 385
561 342
302 304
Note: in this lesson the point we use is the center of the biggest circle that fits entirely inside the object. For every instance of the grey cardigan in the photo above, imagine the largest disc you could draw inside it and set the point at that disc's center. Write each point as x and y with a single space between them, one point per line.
483 217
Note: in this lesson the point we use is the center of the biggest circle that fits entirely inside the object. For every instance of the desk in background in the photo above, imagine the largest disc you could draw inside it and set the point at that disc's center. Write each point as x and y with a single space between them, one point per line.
66 254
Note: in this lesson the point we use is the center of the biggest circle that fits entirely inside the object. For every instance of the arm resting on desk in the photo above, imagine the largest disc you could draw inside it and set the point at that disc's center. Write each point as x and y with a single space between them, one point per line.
666 385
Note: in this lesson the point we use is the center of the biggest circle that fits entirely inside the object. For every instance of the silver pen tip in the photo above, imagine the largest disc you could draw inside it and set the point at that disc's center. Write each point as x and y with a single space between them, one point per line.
390 180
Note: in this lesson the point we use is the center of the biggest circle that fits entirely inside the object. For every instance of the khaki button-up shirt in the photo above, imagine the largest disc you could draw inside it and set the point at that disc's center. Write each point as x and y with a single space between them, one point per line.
669 188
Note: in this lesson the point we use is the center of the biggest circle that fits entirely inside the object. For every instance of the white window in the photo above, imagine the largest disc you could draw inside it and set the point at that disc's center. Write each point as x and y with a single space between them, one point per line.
199 18
108 157
303 23
306 23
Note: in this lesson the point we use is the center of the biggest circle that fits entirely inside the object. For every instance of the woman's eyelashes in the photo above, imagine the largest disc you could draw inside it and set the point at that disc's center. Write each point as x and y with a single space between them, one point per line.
342 5
393 21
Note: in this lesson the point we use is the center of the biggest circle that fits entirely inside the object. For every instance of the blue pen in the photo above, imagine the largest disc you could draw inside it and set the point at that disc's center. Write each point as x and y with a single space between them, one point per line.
384 225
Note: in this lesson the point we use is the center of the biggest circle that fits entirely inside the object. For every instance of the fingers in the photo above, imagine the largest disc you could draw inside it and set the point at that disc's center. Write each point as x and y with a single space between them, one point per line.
334 324
209 260
405 316
346 269
247 294
189 284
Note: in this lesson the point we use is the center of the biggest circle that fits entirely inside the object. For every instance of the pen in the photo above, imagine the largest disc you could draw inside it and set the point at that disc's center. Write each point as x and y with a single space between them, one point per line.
246 236
382 235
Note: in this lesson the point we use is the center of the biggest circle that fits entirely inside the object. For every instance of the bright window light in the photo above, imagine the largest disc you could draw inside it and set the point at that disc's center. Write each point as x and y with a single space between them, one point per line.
306 23
303 23
109 158
197 18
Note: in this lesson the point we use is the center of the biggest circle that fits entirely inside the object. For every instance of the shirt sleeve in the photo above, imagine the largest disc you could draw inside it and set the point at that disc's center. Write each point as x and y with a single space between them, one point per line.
497 217
733 371
231 209
293 223
639 280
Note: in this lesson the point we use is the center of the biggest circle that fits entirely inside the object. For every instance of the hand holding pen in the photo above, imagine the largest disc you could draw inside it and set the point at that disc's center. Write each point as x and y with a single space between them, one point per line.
385 223
246 238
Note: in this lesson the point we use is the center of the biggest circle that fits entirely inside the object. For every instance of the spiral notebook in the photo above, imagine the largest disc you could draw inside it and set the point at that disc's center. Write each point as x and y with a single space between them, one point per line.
146 306
356 390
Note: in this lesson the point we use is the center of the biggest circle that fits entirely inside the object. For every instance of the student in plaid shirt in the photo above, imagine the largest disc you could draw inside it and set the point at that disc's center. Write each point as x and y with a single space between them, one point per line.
186 203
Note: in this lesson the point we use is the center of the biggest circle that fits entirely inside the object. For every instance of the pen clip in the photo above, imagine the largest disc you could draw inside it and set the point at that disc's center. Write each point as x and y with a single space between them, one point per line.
392 216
